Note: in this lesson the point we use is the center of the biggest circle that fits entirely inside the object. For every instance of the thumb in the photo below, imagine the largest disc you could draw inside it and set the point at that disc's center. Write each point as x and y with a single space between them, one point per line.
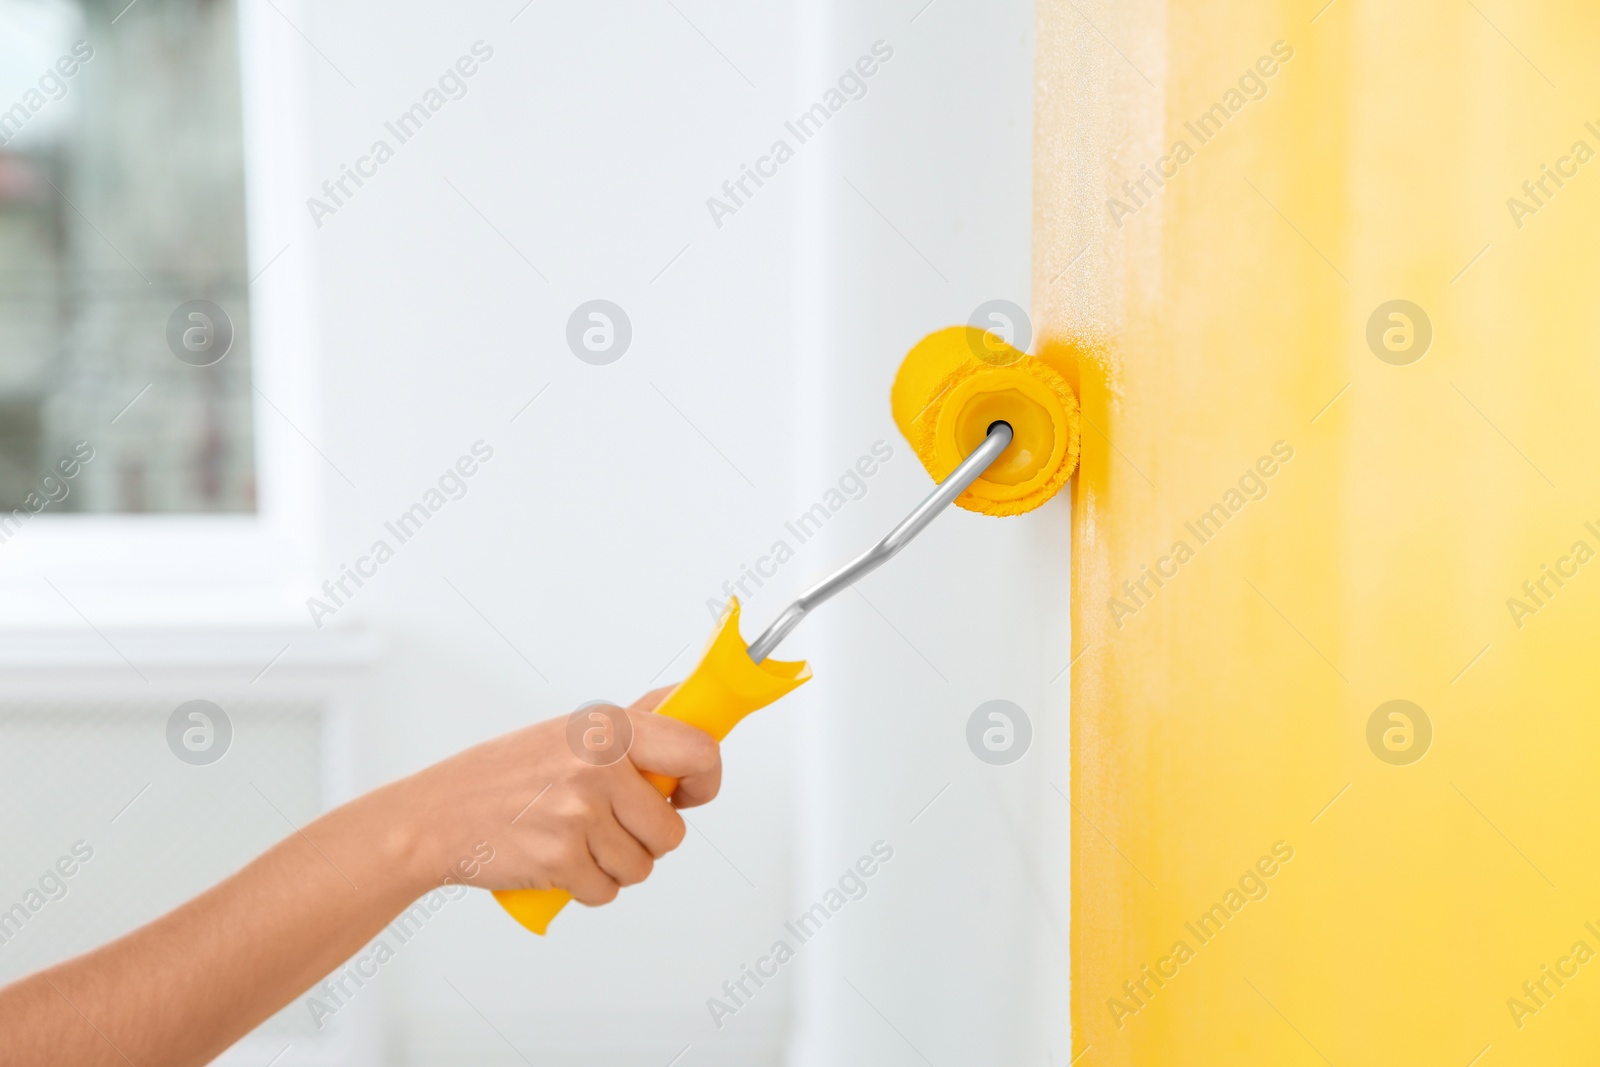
677 750
652 700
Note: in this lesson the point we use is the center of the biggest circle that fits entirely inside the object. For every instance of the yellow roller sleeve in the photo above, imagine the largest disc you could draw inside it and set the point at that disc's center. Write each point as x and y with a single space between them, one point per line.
1336 556
956 383
723 688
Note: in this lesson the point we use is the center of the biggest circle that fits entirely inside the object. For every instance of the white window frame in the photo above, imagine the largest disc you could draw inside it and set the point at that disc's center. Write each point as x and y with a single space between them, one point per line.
249 569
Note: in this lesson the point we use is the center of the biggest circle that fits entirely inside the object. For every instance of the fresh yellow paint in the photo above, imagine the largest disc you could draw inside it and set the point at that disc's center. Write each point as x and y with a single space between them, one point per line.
1344 518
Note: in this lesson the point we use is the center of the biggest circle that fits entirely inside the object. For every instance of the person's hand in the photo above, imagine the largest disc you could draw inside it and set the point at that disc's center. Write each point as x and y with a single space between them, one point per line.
523 811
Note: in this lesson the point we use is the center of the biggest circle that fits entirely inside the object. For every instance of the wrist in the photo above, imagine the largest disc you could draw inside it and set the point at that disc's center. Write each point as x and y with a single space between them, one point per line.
395 839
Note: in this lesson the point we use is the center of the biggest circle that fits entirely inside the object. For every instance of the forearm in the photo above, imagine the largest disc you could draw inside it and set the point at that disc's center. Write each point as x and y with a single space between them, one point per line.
180 990
183 988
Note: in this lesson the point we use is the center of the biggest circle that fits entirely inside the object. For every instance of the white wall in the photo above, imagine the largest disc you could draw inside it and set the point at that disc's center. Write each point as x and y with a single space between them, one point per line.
579 563
960 955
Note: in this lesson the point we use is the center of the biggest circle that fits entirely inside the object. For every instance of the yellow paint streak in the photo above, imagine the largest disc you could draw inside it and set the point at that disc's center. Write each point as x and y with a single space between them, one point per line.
1229 709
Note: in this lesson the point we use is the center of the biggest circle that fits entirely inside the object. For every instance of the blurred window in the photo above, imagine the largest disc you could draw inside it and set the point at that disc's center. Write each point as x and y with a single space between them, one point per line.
124 310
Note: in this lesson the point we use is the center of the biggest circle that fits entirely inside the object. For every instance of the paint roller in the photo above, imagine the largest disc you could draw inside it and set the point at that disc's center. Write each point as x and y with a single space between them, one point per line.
997 429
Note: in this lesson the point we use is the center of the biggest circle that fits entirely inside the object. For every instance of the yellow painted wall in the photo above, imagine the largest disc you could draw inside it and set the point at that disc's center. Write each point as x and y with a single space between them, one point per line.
1227 710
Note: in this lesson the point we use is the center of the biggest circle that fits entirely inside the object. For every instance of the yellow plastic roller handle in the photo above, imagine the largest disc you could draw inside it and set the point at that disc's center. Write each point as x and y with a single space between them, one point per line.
723 688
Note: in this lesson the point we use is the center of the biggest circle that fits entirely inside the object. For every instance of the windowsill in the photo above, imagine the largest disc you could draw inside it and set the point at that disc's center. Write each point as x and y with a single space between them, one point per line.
235 645
156 574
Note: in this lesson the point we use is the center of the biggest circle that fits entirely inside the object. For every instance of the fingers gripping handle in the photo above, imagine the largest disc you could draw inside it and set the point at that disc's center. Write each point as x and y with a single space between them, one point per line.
723 688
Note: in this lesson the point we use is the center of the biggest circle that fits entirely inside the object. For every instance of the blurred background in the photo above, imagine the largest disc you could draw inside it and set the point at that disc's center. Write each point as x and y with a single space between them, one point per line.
269 269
